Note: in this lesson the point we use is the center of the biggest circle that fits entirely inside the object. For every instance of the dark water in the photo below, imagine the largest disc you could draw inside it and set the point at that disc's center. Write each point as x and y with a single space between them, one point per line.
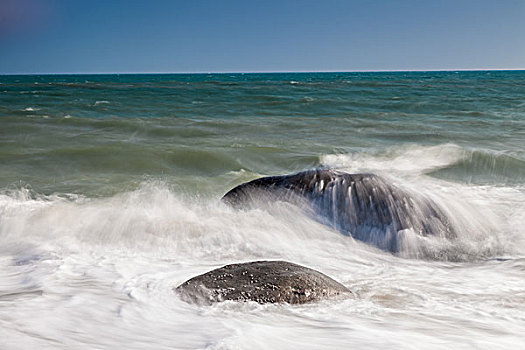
109 198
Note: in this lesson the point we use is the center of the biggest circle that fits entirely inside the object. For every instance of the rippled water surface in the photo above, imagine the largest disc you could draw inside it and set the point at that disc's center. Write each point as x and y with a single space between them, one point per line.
110 190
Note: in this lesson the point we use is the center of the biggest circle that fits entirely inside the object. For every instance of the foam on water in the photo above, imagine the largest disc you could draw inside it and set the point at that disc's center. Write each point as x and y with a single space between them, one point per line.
485 216
100 271
442 160
411 159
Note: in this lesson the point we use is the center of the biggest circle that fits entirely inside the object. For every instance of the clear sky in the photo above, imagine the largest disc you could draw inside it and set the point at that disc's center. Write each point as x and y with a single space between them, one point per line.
90 36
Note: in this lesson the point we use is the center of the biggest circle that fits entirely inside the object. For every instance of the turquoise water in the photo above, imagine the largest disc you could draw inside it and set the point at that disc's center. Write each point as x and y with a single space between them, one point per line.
110 188
96 133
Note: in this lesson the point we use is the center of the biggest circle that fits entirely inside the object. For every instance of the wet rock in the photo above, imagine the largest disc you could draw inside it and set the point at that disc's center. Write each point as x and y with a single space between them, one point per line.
365 206
263 282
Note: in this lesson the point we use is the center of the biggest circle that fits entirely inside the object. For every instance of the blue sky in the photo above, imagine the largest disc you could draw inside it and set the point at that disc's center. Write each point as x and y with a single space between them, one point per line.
73 36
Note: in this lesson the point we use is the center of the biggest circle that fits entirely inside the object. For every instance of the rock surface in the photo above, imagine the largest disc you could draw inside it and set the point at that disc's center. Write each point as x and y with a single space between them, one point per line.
365 206
263 282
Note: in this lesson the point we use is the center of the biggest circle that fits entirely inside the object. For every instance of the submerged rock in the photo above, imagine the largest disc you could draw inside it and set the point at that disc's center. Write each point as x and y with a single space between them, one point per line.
263 282
365 206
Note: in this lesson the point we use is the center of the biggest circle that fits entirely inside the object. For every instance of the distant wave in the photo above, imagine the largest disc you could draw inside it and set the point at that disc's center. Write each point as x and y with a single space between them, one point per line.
482 166
446 161
414 159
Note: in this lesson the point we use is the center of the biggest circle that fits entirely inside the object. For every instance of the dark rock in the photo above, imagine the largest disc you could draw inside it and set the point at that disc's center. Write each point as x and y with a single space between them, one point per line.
263 282
365 206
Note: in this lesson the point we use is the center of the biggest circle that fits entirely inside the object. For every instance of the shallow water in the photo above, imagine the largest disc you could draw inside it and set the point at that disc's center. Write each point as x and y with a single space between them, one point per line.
110 192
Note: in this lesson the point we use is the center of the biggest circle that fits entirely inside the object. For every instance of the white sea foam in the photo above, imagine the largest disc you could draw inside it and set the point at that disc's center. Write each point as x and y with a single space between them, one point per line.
99 272
411 159
307 99
80 272
31 109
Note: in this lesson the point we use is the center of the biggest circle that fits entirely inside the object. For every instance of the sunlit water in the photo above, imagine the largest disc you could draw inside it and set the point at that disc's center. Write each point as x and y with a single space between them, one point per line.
110 198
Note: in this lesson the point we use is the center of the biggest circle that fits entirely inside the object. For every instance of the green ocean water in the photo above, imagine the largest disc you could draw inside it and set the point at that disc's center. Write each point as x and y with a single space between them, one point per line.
102 134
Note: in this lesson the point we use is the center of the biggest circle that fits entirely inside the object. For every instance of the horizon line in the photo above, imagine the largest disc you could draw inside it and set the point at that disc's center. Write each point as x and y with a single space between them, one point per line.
280 72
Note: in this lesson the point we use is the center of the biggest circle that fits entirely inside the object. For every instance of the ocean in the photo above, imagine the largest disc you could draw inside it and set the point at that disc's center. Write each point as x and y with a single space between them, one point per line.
110 189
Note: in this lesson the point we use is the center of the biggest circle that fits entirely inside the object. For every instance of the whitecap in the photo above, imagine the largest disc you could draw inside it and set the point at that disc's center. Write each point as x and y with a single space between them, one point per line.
412 159
307 99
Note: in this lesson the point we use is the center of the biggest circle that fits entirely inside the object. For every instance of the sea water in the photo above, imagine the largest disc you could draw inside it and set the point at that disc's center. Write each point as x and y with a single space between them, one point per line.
110 190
